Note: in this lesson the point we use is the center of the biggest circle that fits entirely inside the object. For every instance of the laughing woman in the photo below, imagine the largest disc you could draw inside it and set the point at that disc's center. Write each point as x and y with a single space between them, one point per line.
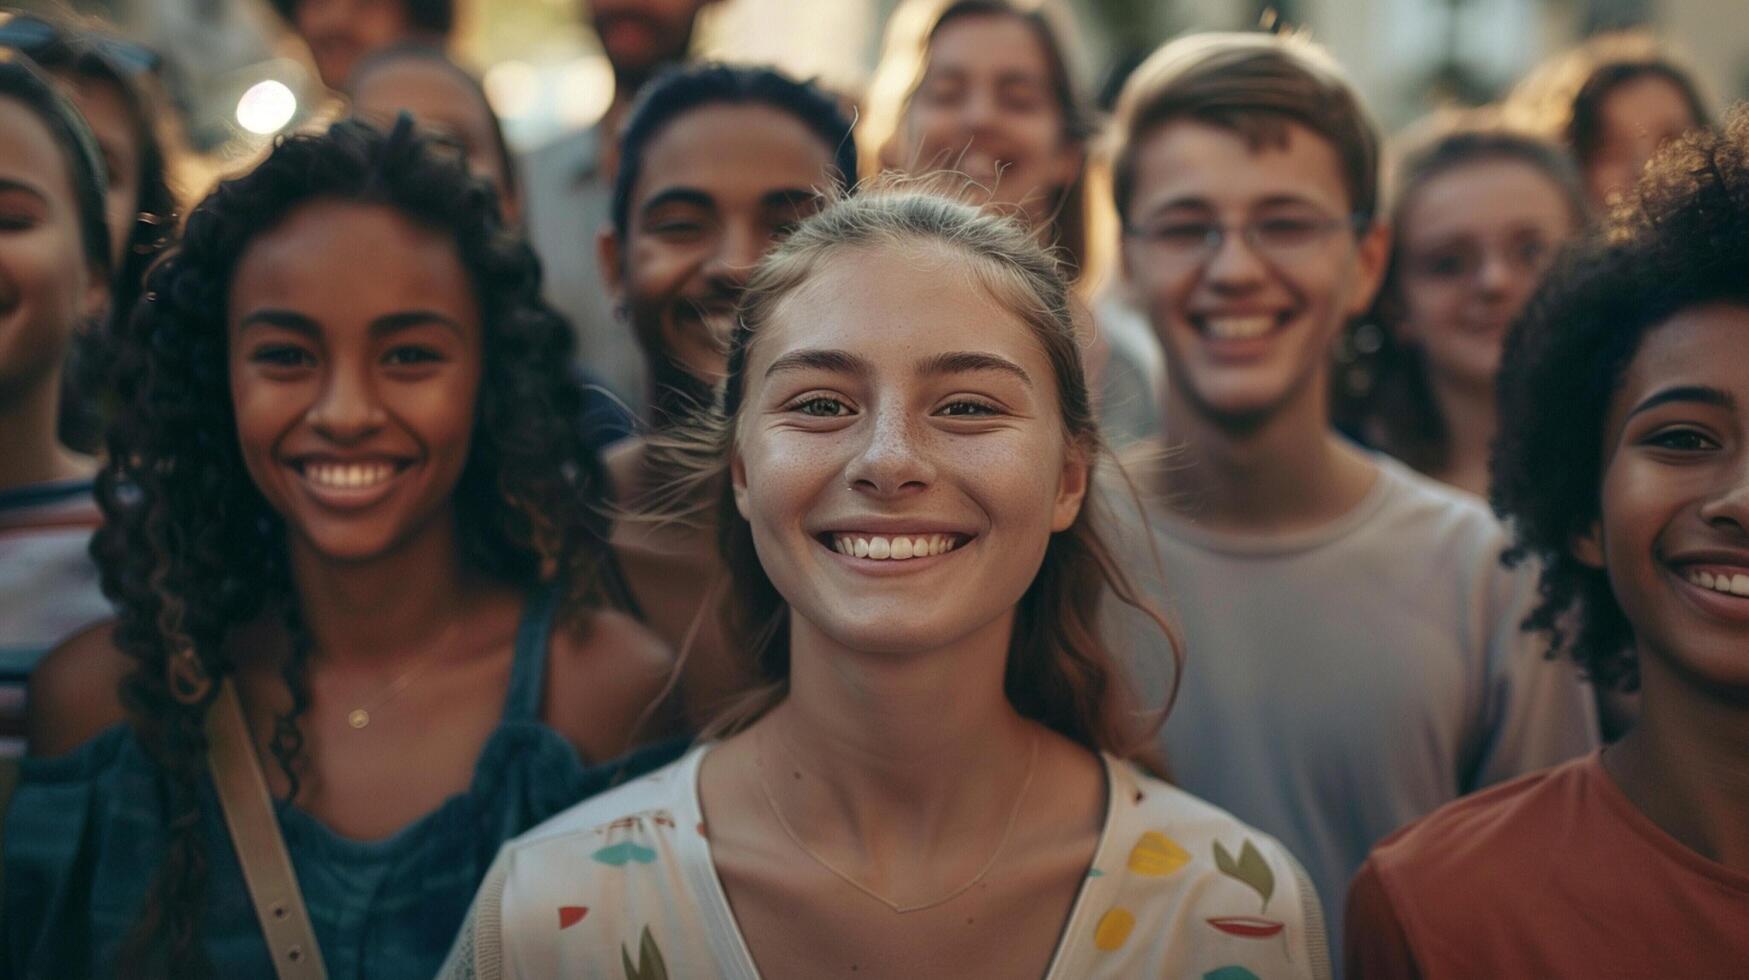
345 496
932 780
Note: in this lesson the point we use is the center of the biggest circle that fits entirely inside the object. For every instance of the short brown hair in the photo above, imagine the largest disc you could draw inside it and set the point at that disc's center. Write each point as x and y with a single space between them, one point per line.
1250 83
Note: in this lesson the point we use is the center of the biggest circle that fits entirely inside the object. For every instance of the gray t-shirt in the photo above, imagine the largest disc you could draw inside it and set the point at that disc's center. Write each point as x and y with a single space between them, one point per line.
1344 681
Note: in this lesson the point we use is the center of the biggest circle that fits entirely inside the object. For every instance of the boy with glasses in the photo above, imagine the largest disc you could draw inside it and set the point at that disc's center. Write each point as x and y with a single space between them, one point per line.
1355 657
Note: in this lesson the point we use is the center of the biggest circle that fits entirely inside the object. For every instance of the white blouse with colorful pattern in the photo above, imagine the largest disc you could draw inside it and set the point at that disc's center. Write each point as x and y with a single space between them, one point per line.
621 887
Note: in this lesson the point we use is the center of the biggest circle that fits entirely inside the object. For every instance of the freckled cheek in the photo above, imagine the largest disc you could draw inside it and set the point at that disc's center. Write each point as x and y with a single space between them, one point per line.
785 479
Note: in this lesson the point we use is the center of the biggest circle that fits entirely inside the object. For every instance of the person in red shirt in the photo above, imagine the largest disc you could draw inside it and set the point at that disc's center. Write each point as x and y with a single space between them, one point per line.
1625 473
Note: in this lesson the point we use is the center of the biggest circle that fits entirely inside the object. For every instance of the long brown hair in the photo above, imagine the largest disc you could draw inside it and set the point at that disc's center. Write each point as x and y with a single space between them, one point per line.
1060 670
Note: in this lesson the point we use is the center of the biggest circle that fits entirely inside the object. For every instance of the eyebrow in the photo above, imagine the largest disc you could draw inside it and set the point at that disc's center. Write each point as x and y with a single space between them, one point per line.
789 197
677 195
382 326
844 362
9 184
962 362
816 359
1204 204
1700 394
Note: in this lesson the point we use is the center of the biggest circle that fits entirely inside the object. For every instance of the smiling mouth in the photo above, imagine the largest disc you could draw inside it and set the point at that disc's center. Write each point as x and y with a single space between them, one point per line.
1728 583
1238 328
894 547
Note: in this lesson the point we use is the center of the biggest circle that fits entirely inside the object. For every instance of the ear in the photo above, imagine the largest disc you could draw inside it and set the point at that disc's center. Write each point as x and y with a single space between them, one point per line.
1373 254
1071 490
738 481
1587 546
611 261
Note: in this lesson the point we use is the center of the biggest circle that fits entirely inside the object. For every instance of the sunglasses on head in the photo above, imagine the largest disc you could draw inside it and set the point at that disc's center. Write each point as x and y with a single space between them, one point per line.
48 44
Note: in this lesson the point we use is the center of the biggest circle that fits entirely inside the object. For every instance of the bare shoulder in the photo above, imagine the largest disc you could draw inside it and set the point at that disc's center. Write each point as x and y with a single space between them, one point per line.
605 677
75 691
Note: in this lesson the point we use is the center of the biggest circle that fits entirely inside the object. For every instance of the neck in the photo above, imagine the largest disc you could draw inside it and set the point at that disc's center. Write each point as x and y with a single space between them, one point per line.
30 451
384 608
1685 765
1471 420
903 751
1284 473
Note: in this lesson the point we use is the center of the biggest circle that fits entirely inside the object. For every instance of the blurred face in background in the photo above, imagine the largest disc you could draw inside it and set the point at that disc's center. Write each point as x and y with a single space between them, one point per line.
716 188
1475 240
1636 118
47 288
641 36
987 106
442 103
339 32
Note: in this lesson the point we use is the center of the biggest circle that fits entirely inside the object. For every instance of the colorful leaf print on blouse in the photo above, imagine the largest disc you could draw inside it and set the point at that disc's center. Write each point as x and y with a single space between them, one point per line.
1247 926
1113 929
1156 855
1250 869
570 915
1230 973
650 965
625 851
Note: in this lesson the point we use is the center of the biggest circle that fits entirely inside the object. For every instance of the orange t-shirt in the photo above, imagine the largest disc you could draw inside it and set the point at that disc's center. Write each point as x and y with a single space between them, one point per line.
1551 875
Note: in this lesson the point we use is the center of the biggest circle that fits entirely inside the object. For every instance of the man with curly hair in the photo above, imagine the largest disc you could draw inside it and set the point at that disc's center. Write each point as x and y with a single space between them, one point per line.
1626 475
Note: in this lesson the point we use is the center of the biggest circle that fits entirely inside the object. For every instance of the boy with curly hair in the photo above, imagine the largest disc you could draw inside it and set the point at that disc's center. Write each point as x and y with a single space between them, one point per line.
1626 474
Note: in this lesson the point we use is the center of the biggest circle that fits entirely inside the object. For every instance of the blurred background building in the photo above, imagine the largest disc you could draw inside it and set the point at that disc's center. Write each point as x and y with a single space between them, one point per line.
240 77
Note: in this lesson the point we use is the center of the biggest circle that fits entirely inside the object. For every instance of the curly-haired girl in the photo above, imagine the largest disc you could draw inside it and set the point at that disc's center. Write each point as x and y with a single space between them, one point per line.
1626 474
932 780
348 482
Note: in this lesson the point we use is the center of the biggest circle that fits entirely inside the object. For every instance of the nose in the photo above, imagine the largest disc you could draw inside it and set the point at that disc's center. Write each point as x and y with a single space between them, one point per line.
347 410
893 460
1728 510
1234 262
739 248
1496 277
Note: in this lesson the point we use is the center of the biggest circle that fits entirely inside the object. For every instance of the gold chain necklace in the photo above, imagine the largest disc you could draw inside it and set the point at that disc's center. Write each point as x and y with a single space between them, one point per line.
1007 831
359 717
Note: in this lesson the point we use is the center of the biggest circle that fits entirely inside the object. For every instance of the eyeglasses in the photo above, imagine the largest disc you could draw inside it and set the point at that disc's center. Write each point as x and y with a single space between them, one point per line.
50 45
1277 239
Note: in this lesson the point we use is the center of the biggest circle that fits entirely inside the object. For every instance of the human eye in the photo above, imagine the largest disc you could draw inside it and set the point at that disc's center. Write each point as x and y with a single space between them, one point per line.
963 408
1681 439
1444 264
1289 230
1181 234
411 355
1531 252
281 356
820 407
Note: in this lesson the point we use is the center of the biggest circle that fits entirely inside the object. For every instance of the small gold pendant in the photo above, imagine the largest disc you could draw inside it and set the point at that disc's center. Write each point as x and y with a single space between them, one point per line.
358 718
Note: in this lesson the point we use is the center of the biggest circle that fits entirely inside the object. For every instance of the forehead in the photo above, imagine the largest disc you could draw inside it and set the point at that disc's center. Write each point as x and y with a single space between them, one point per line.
1188 161
1704 345
433 94
1650 103
993 44
1483 195
734 154
892 304
30 154
351 261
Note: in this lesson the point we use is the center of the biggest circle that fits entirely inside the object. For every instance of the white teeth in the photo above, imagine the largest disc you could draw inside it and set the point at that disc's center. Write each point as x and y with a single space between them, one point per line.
1736 584
351 476
895 548
1238 327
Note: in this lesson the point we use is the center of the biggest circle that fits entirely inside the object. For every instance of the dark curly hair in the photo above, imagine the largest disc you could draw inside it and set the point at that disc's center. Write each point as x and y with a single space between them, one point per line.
191 549
1678 243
